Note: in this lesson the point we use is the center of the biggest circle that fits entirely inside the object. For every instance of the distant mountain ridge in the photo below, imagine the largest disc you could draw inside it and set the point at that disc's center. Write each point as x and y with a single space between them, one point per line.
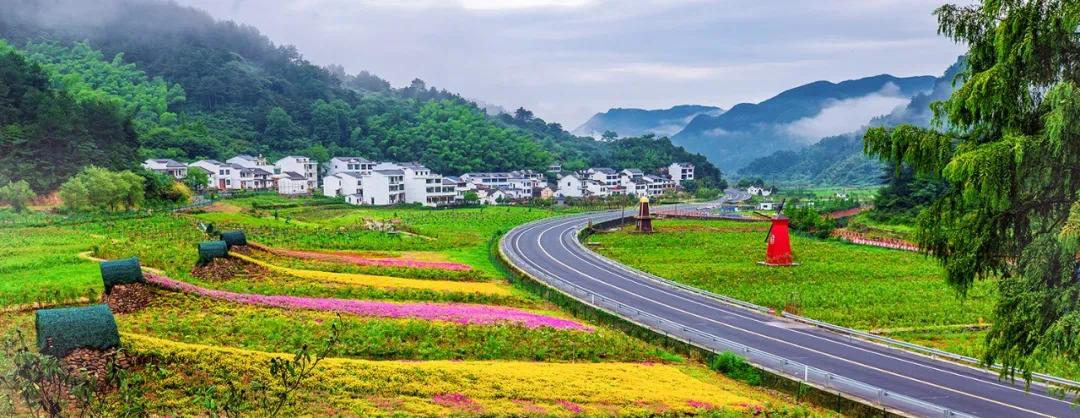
795 117
636 122
839 160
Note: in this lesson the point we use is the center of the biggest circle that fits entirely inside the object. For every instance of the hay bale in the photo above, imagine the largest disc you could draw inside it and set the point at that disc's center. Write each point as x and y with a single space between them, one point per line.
209 250
61 330
234 238
122 271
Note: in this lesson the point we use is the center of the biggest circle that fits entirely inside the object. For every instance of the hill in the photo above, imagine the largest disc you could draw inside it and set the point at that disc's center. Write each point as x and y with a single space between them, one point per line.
636 122
796 117
194 87
839 160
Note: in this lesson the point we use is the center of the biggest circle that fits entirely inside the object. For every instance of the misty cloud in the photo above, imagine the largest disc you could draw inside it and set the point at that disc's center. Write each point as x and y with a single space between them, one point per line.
569 59
843 116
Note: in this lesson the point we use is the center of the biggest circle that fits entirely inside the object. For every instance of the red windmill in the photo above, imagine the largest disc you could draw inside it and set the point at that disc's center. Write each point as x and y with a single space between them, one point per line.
778 249
644 217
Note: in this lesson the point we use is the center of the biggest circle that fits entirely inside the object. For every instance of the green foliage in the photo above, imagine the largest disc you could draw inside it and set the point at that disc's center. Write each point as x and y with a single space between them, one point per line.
98 189
651 153
197 178
905 195
17 194
46 135
808 220
735 367
1006 143
122 271
45 387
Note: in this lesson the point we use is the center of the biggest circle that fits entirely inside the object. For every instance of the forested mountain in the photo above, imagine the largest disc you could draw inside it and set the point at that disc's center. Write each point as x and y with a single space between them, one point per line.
189 87
796 117
839 160
636 122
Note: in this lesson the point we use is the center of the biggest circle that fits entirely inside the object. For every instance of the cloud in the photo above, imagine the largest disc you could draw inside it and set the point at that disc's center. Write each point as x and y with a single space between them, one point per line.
842 116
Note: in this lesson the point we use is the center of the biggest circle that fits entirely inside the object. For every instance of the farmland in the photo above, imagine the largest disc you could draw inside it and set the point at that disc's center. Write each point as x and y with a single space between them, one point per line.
406 340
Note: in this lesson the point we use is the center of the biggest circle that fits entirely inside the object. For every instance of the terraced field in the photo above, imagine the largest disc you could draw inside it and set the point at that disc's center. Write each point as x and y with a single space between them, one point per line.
407 340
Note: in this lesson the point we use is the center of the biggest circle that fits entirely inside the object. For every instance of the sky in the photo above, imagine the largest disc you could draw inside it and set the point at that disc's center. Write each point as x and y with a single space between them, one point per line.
569 59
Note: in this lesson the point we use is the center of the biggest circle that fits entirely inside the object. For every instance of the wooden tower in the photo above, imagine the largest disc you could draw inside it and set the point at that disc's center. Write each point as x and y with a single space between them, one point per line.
644 217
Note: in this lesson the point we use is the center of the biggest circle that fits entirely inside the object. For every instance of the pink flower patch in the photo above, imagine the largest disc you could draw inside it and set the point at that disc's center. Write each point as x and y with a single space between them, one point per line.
702 405
342 257
461 313
457 401
570 406
530 408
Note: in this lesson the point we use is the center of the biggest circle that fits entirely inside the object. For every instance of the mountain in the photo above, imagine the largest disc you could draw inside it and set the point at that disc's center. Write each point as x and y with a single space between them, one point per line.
186 86
636 122
839 160
796 117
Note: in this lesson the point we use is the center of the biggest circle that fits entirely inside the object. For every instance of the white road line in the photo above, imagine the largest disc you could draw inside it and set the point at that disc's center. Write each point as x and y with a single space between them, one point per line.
540 246
734 312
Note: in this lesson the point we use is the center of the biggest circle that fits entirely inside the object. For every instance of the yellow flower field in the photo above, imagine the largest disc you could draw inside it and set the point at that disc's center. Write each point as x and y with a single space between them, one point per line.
385 281
499 388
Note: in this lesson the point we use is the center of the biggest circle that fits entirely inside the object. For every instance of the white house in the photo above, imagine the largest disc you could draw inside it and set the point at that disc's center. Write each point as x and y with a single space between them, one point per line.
343 184
348 164
292 183
680 172
571 185
604 175
759 191
384 187
421 184
596 188
765 206
555 168
223 176
176 169
300 165
487 179
657 185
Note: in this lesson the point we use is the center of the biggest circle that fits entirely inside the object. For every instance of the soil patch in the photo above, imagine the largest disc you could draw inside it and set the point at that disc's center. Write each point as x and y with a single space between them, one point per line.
128 298
227 268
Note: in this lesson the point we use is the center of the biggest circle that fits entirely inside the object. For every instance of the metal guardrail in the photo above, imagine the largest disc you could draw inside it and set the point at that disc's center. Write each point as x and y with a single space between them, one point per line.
781 366
933 352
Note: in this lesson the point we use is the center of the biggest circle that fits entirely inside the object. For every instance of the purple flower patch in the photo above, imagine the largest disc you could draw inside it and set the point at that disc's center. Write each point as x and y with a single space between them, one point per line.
460 313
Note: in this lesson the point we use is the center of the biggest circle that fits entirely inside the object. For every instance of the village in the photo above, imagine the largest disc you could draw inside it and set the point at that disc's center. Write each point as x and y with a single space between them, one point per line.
365 182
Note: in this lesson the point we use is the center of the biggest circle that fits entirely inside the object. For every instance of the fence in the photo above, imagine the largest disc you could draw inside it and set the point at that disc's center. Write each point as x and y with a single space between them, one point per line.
791 369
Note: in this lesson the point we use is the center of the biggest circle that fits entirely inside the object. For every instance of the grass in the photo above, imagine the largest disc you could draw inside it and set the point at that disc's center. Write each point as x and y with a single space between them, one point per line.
856 286
41 264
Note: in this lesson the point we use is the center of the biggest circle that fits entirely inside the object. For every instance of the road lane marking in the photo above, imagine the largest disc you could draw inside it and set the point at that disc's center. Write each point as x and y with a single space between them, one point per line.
539 244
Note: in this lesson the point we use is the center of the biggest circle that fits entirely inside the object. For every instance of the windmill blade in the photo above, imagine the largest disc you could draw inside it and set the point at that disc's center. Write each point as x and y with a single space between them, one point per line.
780 209
768 234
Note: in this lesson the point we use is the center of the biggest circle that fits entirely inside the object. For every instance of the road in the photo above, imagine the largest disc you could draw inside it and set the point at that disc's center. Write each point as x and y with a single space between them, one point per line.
898 380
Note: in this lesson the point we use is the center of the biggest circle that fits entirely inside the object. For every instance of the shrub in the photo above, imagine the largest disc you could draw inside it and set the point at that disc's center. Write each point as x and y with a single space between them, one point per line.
17 194
736 367
96 188
64 329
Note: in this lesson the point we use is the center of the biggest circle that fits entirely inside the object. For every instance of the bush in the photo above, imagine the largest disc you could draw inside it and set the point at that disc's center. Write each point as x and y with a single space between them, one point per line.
96 188
17 194
807 220
64 329
736 367
122 271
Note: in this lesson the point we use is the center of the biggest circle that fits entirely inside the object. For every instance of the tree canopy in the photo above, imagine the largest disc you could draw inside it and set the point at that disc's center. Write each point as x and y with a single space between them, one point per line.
1008 146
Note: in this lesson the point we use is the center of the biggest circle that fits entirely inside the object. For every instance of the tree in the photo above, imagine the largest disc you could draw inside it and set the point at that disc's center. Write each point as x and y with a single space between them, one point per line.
281 132
17 194
96 188
1008 146
609 136
197 178
471 198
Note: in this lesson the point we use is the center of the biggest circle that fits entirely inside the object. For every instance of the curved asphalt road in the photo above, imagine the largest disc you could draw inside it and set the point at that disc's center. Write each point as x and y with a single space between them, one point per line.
549 250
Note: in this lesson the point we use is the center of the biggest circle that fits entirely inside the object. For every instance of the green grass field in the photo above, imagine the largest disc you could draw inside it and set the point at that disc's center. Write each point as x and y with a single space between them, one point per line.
856 286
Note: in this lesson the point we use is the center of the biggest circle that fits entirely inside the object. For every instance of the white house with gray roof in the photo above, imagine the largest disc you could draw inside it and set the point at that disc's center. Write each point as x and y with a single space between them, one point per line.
176 169
300 165
348 165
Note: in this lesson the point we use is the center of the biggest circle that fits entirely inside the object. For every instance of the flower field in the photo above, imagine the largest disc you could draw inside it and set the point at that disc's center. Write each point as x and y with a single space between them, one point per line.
361 387
427 337
460 313
385 281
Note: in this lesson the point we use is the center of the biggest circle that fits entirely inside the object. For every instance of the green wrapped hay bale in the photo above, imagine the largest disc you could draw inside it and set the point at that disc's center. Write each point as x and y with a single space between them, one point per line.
234 238
61 330
209 250
122 271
